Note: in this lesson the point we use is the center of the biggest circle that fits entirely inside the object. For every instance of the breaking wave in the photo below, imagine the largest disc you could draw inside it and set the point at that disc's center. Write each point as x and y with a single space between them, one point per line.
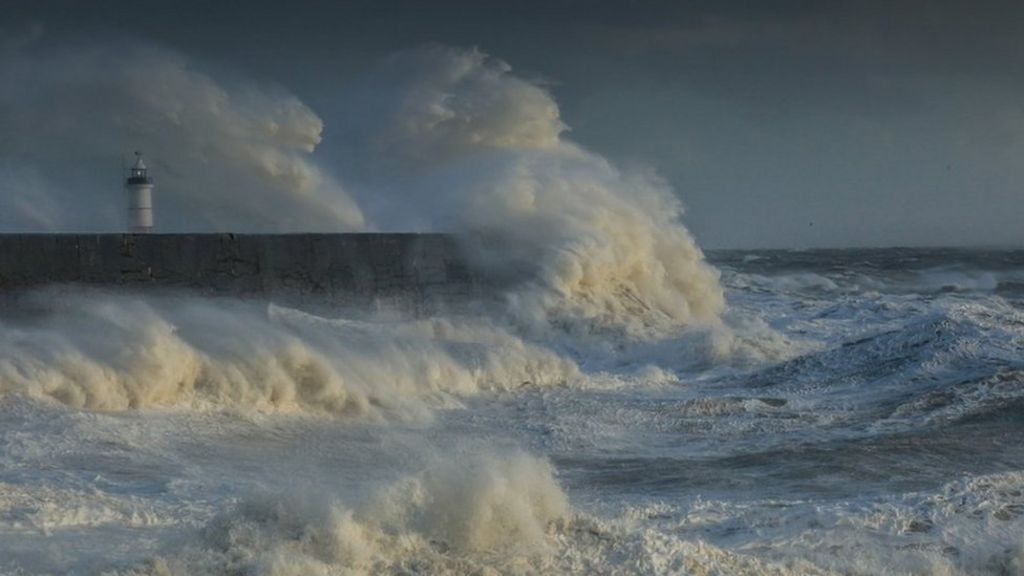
113 352
481 515
458 142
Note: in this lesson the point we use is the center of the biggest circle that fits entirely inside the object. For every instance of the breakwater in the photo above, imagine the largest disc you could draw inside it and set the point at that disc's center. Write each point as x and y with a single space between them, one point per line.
350 267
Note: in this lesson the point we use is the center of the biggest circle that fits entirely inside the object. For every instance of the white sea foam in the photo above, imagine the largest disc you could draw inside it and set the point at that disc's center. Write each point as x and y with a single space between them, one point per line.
636 444
462 514
487 515
113 352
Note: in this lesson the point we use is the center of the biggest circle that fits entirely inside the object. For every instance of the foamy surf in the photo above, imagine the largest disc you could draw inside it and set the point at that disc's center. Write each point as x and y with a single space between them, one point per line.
103 351
813 432
617 405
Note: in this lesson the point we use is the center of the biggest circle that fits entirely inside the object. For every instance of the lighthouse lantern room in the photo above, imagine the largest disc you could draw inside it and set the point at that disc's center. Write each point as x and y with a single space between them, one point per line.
140 197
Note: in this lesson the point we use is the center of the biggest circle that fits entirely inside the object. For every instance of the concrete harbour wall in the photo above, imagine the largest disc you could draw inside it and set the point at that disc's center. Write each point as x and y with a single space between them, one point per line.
344 266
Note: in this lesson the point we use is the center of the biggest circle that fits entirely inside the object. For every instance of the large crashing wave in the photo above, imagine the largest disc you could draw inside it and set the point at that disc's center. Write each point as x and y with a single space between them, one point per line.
448 139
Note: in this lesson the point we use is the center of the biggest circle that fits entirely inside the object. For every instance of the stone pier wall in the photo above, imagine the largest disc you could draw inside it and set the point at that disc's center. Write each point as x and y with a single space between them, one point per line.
346 266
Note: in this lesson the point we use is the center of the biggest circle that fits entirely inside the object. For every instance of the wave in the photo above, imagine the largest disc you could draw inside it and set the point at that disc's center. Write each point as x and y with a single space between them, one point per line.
114 352
970 525
485 515
860 281
105 350
921 364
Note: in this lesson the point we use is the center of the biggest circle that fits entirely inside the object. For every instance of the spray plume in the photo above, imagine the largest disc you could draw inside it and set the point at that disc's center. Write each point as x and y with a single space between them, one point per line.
227 157
472 148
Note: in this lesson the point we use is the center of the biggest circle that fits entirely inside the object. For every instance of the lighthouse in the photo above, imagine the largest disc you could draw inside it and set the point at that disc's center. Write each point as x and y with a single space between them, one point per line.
140 197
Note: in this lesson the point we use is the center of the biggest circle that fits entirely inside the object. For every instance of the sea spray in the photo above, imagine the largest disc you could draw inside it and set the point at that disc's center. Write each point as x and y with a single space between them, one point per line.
441 138
226 155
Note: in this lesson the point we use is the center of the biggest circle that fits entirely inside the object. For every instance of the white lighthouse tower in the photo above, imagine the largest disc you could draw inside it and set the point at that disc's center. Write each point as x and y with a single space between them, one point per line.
140 197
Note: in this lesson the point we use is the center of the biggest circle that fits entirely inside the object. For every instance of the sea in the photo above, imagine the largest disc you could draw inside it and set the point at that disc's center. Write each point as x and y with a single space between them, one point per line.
853 412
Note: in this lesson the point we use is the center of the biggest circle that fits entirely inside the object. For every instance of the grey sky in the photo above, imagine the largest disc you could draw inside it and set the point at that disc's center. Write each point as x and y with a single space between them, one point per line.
779 123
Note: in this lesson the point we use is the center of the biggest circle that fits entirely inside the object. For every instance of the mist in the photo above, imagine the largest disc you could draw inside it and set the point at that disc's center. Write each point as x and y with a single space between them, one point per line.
231 156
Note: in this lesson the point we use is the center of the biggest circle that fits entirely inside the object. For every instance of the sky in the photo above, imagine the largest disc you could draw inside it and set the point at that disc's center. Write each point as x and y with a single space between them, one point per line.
777 123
